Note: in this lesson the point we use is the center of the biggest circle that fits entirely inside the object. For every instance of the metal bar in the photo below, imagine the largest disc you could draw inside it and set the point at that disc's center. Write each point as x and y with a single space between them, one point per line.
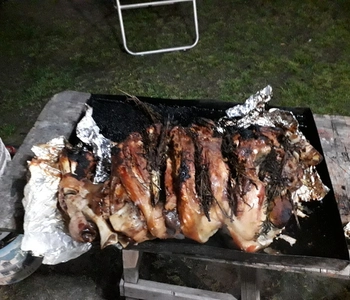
153 3
249 284
146 289
131 263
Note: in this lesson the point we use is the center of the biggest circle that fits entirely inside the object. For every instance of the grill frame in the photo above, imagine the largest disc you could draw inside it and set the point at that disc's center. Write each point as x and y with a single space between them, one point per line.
320 241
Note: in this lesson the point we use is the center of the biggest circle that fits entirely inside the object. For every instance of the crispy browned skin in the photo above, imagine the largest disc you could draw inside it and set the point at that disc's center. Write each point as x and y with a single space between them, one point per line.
190 181
212 173
171 198
170 208
125 216
133 173
249 218
194 223
244 210
245 151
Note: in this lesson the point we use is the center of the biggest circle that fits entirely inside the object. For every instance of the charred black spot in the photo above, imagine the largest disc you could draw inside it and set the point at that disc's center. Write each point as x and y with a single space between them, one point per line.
202 177
228 152
265 228
270 172
270 169
232 196
184 173
115 151
203 188
85 162
217 134
247 133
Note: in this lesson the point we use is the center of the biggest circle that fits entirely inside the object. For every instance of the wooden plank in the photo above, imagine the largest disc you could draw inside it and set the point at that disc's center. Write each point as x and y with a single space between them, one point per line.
249 284
334 132
146 289
131 263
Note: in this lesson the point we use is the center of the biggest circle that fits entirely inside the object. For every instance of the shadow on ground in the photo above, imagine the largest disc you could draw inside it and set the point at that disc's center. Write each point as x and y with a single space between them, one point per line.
92 276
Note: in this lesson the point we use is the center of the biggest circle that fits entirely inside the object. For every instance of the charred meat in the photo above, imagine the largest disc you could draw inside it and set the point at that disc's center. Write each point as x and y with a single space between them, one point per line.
175 182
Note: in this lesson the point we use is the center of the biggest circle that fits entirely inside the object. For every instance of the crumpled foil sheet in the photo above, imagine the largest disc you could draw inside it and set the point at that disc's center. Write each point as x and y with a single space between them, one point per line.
89 133
45 233
253 103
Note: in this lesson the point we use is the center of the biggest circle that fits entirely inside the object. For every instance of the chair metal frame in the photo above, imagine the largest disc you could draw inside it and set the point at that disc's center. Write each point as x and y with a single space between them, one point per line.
121 7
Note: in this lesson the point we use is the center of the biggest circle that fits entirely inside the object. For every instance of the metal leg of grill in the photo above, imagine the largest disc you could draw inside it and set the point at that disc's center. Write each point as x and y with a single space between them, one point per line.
121 7
134 288
249 283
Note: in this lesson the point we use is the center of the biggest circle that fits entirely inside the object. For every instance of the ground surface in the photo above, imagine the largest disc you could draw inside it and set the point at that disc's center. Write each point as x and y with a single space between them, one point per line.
301 48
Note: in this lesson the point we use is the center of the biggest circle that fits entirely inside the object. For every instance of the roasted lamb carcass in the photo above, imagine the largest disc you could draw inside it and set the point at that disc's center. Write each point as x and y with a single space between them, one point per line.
172 181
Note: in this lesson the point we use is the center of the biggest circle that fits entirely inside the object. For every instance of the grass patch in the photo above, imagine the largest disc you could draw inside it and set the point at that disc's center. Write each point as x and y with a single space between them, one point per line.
6 130
301 48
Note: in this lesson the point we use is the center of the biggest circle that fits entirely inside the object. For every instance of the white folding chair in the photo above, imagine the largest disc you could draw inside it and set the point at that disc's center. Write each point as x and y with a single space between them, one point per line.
121 7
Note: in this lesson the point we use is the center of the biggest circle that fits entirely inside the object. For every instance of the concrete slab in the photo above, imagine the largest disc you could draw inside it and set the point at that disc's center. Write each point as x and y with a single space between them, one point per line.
58 118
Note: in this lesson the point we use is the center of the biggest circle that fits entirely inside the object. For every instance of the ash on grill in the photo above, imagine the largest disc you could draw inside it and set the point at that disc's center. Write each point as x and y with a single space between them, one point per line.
245 174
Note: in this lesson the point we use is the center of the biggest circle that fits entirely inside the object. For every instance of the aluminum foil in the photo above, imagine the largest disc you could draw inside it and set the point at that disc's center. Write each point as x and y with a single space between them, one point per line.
45 232
89 133
254 103
253 112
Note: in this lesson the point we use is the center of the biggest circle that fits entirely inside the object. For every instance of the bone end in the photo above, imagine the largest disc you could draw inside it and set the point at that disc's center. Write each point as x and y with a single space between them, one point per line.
111 239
